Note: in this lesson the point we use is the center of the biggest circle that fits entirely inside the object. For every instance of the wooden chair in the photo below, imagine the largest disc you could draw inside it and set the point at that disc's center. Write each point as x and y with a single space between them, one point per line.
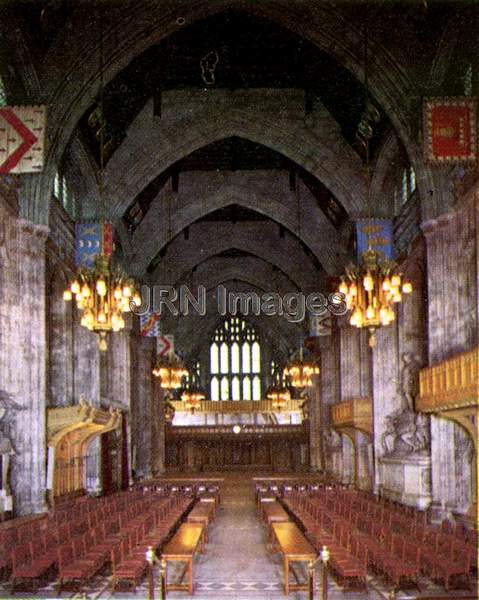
25 567
124 568
70 569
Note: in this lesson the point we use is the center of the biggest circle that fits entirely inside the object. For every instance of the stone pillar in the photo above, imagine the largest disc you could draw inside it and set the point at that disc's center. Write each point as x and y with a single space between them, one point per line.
118 372
329 390
143 350
452 283
86 357
350 362
314 399
60 341
158 430
87 385
385 397
23 355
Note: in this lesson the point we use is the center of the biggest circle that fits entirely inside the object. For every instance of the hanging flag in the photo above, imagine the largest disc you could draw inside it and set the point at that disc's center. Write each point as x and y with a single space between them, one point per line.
376 234
165 344
22 139
320 325
150 324
92 239
450 130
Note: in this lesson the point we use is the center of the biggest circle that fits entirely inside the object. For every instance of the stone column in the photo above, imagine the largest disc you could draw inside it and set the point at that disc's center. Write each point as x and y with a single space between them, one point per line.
87 385
118 375
86 357
60 341
329 390
143 349
452 283
23 355
350 362
314 399
158 430
385 397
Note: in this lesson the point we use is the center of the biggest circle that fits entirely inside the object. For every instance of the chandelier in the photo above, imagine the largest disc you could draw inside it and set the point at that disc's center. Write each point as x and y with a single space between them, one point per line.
192 397
101 293
300 372
279 396
371 289
171 372
103 296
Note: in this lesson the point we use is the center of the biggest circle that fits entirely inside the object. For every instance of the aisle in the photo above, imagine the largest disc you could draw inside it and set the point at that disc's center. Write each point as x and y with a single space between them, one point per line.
236 559
236 564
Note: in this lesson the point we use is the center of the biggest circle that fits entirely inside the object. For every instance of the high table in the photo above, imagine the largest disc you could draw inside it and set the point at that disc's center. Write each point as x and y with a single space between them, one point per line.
294 547
181 548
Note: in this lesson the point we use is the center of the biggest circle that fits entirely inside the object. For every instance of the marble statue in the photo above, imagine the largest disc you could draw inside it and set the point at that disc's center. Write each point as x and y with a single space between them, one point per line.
406 433
8 407
409 385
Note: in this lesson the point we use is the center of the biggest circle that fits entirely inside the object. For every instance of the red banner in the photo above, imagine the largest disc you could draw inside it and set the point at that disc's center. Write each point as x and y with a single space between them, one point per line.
22 132
450 130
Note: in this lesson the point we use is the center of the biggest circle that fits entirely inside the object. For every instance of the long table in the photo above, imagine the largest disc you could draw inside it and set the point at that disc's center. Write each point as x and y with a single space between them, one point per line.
294 547
182 547
202 512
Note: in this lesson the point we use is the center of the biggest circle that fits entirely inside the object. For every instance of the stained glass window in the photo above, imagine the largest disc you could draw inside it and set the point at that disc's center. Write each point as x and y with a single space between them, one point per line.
235 362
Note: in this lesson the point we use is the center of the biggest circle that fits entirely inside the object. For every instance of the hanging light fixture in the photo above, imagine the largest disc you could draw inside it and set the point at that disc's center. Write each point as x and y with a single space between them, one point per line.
300 372
193 397
171 372
277 393
374 285
279 396
102 293
371 289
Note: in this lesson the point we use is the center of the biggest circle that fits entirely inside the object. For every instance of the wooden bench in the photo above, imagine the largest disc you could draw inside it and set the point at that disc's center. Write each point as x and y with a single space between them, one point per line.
202 513
182 547
294 547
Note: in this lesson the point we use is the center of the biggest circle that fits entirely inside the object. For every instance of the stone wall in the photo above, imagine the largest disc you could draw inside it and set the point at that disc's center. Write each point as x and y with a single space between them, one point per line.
23 354
452 284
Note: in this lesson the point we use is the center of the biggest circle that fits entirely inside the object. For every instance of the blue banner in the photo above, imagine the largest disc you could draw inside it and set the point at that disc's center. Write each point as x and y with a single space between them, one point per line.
376 234
92 239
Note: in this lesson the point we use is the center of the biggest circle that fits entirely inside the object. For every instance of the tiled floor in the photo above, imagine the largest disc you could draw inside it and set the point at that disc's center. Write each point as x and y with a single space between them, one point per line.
237 565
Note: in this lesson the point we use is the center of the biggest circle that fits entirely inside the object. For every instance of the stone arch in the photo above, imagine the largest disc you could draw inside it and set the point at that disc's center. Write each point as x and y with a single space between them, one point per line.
313 142
147 24
250 270
285 253
248 190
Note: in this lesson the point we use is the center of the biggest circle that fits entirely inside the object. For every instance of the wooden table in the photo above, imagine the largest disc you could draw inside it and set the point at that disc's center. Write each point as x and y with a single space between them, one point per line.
203 512
181 548
273 512
295 548
264 497
210 498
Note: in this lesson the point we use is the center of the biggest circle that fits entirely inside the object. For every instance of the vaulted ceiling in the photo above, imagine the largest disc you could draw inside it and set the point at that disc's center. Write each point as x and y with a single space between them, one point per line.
231 128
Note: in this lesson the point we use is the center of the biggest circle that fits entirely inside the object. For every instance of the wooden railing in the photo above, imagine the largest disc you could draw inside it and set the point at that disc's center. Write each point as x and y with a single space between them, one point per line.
240 406
355 413
256 430
451 384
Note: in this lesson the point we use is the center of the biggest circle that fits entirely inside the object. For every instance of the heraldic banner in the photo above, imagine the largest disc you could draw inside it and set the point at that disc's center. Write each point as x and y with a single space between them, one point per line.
450 130
92 239
376 234
22 139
